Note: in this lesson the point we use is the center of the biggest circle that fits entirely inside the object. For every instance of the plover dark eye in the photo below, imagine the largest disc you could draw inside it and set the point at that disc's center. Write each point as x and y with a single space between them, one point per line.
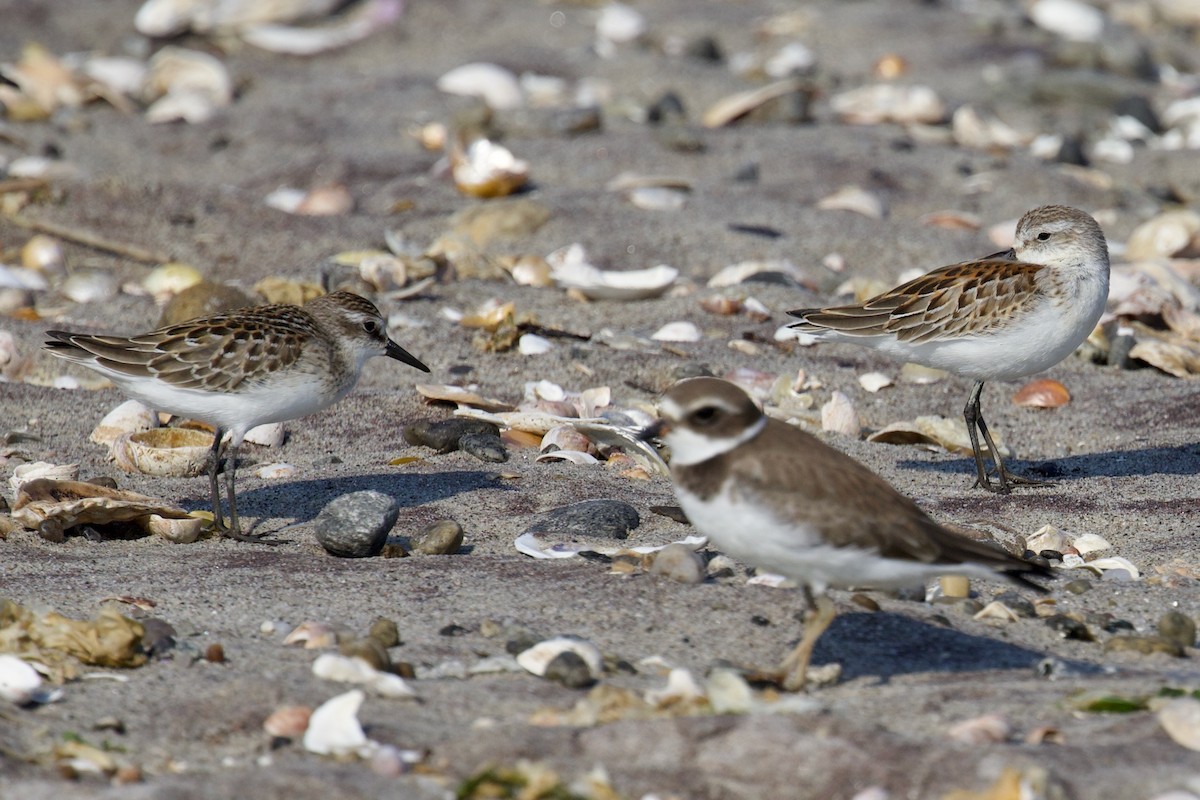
705 416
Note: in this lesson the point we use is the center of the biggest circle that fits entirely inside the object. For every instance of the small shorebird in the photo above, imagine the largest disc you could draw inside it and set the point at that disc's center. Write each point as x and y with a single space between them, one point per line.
774 497
242 369
1004 317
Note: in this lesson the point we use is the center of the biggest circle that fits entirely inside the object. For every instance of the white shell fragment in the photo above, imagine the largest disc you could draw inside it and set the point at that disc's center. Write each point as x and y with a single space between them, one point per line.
363 20
1122 567
571 270
495 85
275 471
1090 543
486 169
734 274
1073 20
889 102
269 435
1180 718
733 107
1046 537
162 18
334 730
874 381
839 416
186 85
129 417
20 684
853 198
678 332
537 658
24 473
573 456
539 546
530 344
351 669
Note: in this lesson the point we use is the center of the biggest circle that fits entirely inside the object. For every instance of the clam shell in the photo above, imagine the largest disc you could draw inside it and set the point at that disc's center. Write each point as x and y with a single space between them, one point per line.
180 531
530 344
678 332
733 107
537 658
162 18
571 271
177 452
1042 393
565 437
129 417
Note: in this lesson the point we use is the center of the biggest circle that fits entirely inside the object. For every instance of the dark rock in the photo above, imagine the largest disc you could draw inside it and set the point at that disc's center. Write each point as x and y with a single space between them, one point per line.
604 519
356 525
369 649
569 669
444 435
1069 628
1138 107
158 637
484 446
704 48
385 631
667 108
1177 627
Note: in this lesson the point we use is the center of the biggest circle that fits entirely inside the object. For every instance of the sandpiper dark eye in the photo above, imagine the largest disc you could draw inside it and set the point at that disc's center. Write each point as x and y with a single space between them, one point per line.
1043 236
705 416
371 327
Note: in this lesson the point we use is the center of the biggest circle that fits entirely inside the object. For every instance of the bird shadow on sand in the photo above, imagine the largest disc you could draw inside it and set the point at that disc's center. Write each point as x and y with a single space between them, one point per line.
883 644
302 500
1181 459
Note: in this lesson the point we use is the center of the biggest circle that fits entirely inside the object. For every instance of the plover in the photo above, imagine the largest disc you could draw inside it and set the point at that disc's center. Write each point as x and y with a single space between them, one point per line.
1000 318
242 369
774 497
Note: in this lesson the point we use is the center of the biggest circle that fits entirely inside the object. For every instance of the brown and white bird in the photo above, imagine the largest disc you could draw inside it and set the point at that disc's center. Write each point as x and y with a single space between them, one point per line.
1000 318
242 369
774 497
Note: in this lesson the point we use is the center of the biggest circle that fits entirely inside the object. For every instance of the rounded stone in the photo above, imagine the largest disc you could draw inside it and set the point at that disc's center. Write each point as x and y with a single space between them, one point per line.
356 525
441 538
370 650
385 631
1078 586
569 669
444 435
679 563
484 446
1146 645
1177 627
1069 628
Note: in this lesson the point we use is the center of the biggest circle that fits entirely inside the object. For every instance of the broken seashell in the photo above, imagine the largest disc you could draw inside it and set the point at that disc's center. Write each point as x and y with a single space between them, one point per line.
313 635
487 169
1089 543
731 108
495 85
997 610
24 473
180 531
678 332
531 271
163 18
889 102
461 397
565 437
170 279
129 417
353 669
64 504
725 306
270 434
1181 359
1103 565
1046 537
360 22
186 85
89 286
743 271
985 729
681 688
44 254
177 452
838 415
571 271
1164 236
1073 20
933 431
535 659
1042 393
951 220
334 730
920 374
657 198
853 198
288 722
984 132
574 456
530 344
20 683
275 471
874 381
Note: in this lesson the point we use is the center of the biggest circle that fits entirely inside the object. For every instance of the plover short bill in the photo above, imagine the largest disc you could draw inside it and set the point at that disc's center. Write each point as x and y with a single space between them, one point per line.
776 498
1000 318
242 369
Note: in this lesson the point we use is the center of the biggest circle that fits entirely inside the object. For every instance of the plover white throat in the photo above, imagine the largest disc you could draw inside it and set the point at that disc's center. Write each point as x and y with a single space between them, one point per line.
774 497
242 369
1000 318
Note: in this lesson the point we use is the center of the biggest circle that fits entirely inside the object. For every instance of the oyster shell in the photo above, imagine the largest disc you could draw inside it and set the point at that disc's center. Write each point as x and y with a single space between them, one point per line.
67 503
178 452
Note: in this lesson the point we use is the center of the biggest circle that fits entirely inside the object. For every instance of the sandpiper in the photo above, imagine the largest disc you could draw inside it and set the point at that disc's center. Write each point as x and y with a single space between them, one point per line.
242 369
774 497
1000 318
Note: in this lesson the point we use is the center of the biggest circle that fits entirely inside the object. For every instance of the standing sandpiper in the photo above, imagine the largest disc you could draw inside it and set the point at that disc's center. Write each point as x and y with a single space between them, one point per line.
774 497
242 369
1004 317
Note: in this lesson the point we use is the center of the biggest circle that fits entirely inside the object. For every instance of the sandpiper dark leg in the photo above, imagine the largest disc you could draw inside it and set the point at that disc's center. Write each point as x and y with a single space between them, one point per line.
214 489
1005 479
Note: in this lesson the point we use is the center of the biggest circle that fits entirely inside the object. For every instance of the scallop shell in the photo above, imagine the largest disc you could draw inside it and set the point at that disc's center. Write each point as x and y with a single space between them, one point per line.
129 417
1042 393
334 730
177 452
487 169
180 531
571 271
535 659
67 503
